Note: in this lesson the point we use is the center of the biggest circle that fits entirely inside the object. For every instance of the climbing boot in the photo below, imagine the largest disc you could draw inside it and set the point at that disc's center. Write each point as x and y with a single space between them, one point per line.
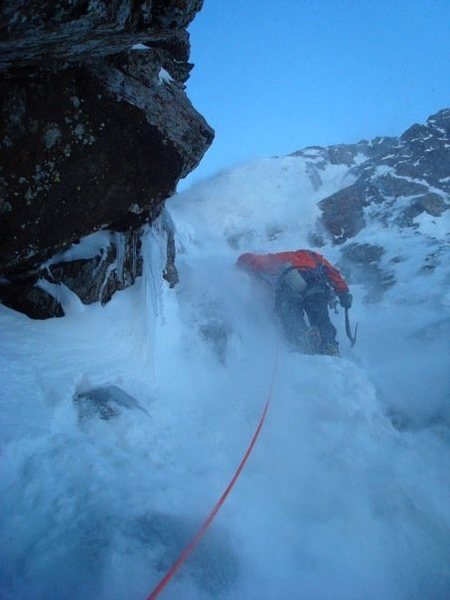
311 341
330 348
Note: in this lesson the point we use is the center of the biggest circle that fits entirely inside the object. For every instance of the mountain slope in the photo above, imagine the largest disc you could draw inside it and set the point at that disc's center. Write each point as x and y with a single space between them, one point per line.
123 424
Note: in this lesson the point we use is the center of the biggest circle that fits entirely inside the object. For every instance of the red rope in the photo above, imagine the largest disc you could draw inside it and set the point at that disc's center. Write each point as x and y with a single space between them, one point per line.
200 533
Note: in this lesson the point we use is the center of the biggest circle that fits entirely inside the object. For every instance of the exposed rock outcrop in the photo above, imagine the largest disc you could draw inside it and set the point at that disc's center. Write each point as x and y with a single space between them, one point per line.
397 179
113 268
96 126
400 183
104 402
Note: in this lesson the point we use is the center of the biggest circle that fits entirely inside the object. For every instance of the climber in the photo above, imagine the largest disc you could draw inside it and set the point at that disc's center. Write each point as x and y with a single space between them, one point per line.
304 282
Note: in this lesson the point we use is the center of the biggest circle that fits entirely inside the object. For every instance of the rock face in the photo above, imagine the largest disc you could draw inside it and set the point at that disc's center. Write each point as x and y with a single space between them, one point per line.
390 183
96 127
397 179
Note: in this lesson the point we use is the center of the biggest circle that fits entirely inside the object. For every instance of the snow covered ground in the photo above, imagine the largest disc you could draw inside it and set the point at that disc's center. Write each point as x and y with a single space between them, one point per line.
346 494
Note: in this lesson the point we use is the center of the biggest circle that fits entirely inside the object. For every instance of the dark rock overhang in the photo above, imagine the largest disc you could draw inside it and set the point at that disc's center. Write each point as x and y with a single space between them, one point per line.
96 126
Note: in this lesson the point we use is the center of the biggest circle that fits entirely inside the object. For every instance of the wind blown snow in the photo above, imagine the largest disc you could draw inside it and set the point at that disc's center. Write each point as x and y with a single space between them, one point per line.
122 425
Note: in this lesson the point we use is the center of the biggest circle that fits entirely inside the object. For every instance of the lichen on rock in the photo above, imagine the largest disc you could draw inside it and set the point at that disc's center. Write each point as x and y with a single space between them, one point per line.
90 136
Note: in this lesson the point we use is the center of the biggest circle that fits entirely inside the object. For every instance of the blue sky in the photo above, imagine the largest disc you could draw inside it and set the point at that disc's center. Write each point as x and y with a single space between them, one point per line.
273 76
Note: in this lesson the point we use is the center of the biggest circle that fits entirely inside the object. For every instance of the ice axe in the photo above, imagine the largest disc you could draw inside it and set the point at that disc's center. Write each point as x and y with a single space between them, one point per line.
348 331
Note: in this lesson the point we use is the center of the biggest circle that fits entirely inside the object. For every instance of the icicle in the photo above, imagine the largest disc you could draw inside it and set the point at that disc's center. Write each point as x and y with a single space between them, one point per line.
108 272
135 236
120 243
154 256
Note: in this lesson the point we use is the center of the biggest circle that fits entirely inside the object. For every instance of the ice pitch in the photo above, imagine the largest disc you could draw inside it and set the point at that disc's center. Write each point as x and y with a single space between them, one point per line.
336 501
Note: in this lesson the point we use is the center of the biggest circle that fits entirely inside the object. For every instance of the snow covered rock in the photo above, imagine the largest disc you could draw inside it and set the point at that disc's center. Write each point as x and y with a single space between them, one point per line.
30 299
104 402
114 267
91 137
398 179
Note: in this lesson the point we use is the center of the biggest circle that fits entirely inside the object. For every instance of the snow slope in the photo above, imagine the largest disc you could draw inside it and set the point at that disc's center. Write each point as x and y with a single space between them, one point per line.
346 494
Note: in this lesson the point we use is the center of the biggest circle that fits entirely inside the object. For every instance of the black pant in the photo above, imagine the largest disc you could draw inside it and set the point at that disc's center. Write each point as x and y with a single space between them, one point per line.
291 311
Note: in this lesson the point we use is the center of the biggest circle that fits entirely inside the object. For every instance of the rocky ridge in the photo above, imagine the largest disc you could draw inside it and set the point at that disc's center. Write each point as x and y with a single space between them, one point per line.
396 183
395 179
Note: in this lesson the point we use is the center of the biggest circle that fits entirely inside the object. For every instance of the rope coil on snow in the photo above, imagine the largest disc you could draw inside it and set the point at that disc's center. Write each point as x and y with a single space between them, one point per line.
200 533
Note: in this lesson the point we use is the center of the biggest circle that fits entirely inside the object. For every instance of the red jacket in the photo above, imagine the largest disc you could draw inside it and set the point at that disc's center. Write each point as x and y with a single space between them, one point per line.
303 260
